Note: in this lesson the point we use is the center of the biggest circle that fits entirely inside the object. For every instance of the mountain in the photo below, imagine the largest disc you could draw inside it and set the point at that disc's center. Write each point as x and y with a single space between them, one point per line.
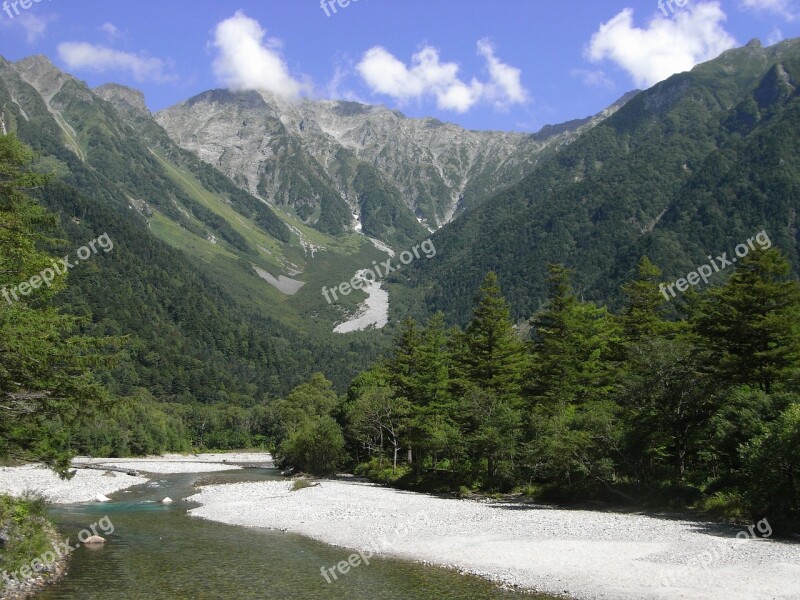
693 166
338 164
223 252
197 282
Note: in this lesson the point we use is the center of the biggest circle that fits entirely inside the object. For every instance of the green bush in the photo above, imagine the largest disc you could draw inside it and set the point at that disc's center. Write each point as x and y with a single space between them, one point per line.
772 464
382 471
316 446
25 532
726 506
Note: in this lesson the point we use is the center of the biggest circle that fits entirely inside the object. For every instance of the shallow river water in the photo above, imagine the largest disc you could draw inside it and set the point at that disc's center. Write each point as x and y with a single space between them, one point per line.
157 551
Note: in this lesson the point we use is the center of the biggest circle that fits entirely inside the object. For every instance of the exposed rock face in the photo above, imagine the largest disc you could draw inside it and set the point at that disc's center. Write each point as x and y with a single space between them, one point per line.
261 140
127 101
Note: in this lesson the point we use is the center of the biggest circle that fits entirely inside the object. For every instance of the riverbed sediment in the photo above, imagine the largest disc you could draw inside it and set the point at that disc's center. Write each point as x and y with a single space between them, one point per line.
581 554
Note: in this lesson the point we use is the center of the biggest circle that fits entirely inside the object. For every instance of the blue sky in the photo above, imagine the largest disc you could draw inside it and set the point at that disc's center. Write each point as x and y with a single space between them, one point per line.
504 64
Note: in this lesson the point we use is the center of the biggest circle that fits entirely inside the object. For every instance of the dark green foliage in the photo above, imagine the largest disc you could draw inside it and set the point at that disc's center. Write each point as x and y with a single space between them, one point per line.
772 464
752 323
665 176
307 436
45 364
697 412
316 446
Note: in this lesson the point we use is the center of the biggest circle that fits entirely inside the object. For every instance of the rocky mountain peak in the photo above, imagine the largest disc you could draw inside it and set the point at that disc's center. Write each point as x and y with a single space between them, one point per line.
125 100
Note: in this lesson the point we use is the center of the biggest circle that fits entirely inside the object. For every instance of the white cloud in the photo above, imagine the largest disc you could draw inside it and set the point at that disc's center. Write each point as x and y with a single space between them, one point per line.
33 25
337 89
666 46
428 76
245 61
505 86
111 30
593 78
782 8
101 59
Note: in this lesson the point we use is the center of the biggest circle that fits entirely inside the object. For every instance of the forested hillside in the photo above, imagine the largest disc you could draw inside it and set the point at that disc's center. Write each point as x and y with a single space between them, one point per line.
200 333
693 166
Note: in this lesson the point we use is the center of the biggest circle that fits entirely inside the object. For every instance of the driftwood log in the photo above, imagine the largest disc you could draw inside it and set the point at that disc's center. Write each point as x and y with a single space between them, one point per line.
99 467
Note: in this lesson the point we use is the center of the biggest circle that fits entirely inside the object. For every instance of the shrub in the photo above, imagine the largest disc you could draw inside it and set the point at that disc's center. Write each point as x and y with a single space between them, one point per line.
316 446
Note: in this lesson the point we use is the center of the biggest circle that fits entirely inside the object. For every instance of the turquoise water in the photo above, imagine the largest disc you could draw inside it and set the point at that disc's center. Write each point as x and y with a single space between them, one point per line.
158 552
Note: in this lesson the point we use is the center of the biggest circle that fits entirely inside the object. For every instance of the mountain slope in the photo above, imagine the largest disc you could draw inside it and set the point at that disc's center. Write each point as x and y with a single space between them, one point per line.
344 157
201 324
694 165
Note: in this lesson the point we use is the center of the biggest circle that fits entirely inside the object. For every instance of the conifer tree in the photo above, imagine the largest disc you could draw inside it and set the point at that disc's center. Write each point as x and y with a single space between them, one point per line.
493 363
495 358
45 377
751 325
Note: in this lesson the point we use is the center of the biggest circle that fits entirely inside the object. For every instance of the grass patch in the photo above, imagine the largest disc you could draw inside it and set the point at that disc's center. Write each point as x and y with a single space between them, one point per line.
725 506
301 484
25 532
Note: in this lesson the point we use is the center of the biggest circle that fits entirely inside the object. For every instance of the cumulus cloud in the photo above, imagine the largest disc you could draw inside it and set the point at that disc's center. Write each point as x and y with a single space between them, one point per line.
782 8
505 84
101 59
428 76
665 46
246 61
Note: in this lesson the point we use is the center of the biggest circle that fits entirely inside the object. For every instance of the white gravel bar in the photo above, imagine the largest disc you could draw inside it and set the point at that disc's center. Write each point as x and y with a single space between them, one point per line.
184 463
581 554
88 484
84 487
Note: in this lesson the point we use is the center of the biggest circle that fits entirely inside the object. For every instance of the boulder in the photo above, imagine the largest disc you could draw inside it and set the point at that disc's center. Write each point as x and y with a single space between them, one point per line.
167 500
94 540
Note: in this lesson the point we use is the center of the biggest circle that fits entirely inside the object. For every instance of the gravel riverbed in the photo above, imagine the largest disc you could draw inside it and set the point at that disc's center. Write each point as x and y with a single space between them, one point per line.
582 554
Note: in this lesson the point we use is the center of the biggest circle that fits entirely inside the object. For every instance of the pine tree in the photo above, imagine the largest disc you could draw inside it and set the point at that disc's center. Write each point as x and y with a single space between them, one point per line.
644 312
45 378
495 358
751 325
493 363
574 344
571 418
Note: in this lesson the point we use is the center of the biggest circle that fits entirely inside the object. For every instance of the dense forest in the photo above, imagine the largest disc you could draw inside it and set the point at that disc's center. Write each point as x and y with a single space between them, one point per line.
583 403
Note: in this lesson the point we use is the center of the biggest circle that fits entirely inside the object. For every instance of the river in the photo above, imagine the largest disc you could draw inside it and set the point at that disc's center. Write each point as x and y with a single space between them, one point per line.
157 551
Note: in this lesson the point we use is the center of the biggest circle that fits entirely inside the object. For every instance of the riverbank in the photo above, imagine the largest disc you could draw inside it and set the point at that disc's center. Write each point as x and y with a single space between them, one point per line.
26 531
578 553
88 484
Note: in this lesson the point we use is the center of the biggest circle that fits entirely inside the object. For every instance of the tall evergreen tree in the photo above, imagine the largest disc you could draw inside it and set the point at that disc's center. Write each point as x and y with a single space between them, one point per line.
495 358
572 427
493 363
644 310
45 369
751 325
